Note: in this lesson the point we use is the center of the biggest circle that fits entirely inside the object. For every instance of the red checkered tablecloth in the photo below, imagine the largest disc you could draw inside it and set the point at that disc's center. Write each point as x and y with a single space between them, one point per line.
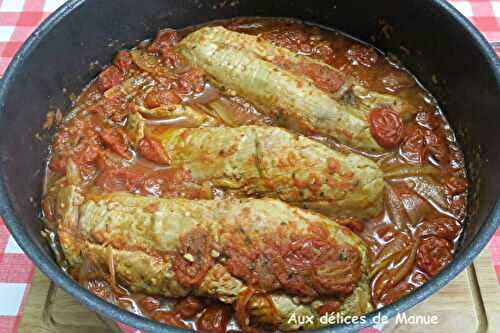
18 18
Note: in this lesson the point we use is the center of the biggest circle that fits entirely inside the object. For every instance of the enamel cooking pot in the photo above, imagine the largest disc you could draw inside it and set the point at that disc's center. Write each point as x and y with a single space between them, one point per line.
447 54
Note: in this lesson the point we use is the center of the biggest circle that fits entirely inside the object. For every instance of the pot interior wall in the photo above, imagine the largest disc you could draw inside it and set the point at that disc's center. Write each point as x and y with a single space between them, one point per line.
70 55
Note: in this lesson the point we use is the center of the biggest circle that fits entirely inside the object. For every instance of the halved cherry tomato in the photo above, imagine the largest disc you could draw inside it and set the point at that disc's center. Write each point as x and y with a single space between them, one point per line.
214 319
189 307
386 127
433 254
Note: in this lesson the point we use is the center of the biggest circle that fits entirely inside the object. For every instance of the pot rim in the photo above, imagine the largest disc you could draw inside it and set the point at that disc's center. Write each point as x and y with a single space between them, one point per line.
61 279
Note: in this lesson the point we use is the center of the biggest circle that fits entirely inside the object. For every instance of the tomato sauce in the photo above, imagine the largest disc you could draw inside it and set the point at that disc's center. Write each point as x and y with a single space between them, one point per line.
408 244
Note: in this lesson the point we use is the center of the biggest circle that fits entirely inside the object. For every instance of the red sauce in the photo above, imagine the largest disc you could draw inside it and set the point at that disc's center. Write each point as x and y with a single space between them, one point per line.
123 60
109 78
193 259
295 263
408 244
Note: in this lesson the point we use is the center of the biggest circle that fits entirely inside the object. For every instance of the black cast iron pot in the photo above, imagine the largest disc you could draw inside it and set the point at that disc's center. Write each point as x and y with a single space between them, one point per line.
61 56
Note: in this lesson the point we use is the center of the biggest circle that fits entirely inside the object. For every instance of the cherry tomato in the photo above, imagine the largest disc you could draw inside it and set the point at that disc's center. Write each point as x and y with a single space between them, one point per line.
189 307
214 319
386 127
433 254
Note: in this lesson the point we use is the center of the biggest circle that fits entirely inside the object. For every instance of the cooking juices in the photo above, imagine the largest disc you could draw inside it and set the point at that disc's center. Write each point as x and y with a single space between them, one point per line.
110 142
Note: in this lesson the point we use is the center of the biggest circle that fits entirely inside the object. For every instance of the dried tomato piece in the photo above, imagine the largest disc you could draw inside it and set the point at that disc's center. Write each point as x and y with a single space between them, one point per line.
153 150
159 97
386 127
214 319
433 254
116 139
122 179
109 78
